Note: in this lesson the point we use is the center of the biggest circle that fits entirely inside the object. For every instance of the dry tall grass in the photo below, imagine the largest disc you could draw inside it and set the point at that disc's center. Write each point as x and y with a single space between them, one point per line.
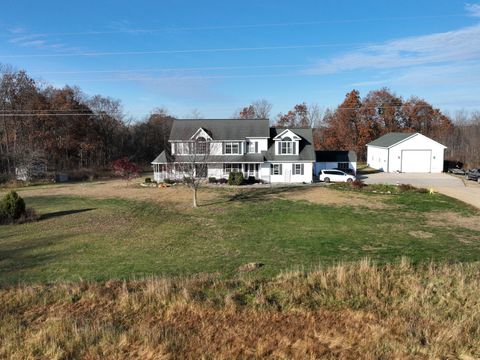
348 311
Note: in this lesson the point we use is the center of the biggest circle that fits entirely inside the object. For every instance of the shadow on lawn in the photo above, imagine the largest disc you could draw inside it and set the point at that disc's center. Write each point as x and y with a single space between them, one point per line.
63 213
34 255
258 194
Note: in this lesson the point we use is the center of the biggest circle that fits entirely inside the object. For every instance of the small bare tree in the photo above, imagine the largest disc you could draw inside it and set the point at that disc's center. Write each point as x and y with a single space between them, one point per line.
192 159
259 109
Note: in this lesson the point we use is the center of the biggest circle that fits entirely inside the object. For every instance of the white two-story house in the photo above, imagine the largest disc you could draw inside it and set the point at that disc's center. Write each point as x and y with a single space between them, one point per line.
275 155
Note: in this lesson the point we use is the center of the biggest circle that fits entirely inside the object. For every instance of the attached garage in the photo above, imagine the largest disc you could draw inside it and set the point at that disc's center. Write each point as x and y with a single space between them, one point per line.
343 160
406 152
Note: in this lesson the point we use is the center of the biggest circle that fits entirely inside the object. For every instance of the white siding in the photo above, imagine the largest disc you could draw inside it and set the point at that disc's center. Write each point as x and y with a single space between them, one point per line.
287 175
377 158
262 144
215 170
216 148
418 142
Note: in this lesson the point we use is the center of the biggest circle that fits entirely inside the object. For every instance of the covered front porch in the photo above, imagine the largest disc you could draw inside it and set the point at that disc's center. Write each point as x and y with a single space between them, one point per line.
176 171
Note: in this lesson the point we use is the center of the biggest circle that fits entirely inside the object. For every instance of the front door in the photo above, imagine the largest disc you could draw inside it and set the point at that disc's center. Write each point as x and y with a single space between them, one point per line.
251 170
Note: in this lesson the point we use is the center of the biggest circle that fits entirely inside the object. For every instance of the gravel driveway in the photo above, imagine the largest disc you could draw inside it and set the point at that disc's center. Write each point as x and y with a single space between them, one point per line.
454 186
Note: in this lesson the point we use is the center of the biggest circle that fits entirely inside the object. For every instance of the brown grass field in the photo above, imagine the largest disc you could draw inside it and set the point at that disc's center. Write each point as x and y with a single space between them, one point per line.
347 311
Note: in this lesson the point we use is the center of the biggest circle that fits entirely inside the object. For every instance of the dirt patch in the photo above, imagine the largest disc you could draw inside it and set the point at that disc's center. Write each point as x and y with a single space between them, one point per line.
178 196
325 196
448 219
421 234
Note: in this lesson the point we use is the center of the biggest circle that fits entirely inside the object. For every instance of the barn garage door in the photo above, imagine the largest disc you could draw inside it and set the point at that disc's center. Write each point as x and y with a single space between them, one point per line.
416 161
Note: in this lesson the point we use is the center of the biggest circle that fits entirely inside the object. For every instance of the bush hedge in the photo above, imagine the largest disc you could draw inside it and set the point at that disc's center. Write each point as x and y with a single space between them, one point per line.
12 206
235 178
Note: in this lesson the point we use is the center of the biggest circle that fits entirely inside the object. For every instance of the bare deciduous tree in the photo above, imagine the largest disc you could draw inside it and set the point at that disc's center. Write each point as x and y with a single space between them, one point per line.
193 162
259 109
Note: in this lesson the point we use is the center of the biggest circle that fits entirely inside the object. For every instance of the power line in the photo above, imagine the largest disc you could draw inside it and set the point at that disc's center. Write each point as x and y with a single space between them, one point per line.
157 52
235 67
229 27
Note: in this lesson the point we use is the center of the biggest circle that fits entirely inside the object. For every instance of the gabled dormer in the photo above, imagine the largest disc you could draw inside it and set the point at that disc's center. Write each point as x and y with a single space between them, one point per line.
201 134
287 143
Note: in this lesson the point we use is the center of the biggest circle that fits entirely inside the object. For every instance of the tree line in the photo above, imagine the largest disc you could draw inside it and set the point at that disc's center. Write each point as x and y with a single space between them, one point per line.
68 130
358 121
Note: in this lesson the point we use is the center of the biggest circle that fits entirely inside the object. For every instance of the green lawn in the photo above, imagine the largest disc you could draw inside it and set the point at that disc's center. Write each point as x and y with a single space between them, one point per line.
114 238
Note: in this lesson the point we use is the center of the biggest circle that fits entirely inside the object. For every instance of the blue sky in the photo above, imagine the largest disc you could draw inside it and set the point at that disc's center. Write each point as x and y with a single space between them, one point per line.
216 56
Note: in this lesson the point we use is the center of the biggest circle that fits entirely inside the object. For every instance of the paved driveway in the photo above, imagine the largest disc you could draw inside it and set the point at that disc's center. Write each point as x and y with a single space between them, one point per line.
454 186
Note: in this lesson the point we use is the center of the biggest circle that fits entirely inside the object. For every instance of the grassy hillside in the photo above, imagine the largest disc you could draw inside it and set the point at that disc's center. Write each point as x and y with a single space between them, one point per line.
100 233
349 311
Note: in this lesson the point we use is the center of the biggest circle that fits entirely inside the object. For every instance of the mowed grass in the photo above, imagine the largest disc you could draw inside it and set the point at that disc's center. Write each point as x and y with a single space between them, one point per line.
99 239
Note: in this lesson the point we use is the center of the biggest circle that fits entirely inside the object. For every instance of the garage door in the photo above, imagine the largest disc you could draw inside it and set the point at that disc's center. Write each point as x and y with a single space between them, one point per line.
416 161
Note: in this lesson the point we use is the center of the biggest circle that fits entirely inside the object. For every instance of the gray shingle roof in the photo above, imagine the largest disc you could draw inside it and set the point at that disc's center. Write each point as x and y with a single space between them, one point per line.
248 158
164 158
220 129
336 156
390 139
161 159
306 148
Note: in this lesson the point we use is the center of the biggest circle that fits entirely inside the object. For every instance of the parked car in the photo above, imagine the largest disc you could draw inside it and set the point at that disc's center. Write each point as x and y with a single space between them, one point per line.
456 171
347 171
473 174
332 175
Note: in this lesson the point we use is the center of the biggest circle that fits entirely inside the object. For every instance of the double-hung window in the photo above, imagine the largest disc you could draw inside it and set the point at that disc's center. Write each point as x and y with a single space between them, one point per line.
276 169
232 148
201 146
182 148
297 169
228 168
253 147
286 146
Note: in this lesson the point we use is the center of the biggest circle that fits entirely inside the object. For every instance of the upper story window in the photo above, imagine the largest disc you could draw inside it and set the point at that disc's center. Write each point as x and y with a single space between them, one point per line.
286 146
253 147
181 148
201 145
232 148
287 143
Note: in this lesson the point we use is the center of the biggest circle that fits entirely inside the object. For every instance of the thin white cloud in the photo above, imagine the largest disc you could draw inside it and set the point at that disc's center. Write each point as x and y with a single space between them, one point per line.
473 9
19 37
458 45
459 74
36 42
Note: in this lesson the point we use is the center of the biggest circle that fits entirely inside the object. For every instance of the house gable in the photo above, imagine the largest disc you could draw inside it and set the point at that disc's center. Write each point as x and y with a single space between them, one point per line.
201 133
287 133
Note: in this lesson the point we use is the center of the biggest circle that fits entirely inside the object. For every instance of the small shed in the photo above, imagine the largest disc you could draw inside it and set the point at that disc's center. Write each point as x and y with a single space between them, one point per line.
405 152
343 160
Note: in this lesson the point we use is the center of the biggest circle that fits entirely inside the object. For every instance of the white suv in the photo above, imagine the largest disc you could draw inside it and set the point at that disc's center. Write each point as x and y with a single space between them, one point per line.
335 176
